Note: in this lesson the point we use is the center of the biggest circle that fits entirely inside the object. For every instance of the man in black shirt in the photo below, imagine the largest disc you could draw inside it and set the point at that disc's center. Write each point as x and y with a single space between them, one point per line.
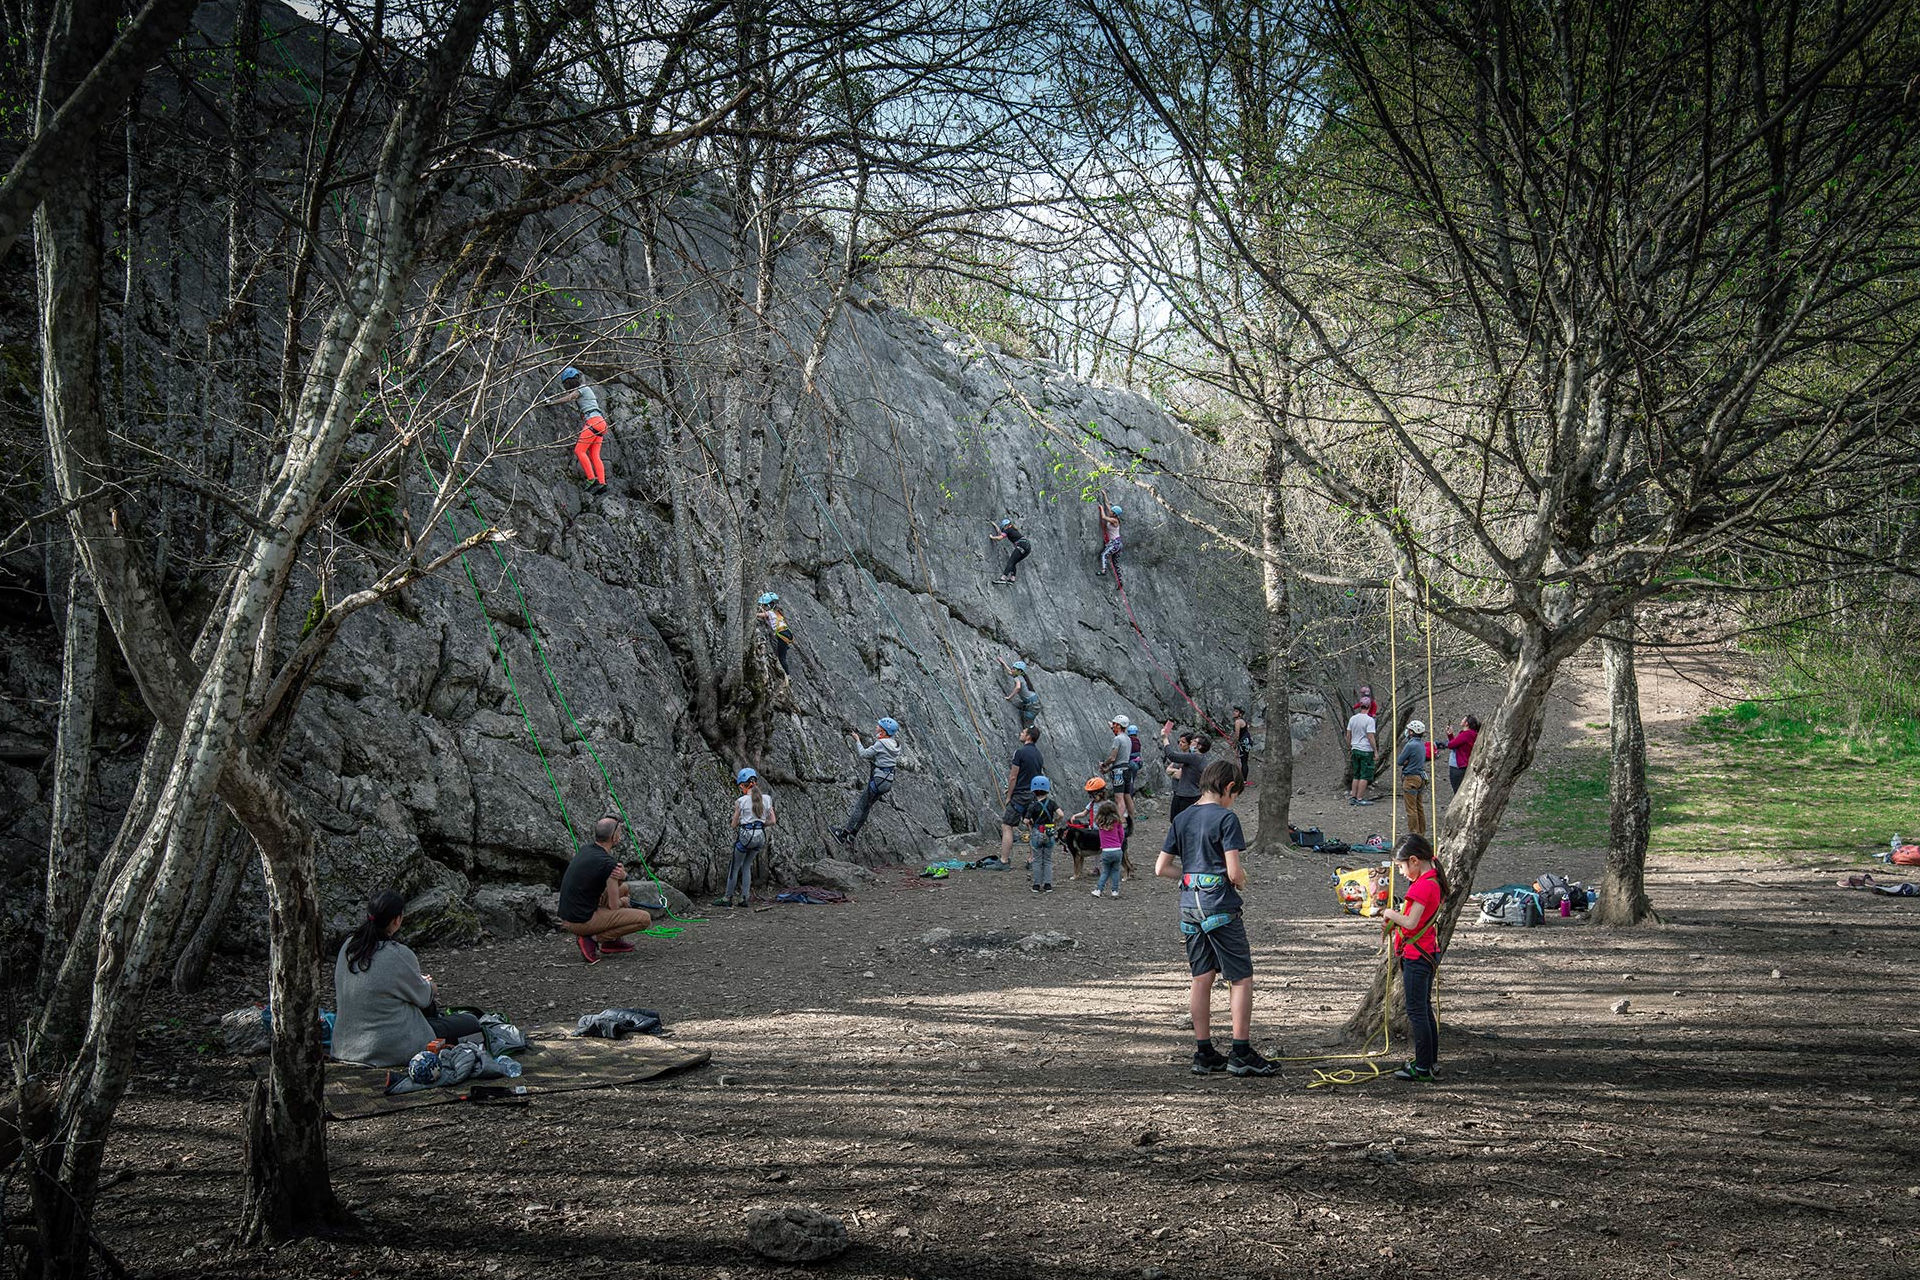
594 903
1027 765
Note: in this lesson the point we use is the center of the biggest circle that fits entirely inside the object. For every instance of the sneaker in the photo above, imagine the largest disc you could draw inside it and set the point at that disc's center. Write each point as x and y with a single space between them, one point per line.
1208 1060
1364 802
1096 893
721 902
589 950
1250 1063
1413 1071
1046 888
1034 887
1113 893
616 946
1004 581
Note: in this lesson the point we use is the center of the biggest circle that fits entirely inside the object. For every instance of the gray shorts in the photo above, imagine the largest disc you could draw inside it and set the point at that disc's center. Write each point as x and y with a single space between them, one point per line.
1223 951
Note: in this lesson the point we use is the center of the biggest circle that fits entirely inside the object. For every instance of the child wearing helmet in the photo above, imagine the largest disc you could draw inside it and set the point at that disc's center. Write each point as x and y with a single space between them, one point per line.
1110 538
777 626
753 817
1413 776
882 758
1023 695
1080 835
1043 818
593 426
1018 548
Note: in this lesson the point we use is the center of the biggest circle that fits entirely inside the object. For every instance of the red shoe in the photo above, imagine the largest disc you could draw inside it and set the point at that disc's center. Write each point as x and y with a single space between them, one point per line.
589 950
617 946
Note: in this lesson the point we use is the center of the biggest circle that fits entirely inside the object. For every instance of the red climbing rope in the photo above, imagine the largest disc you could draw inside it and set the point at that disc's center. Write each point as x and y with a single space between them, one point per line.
1141 636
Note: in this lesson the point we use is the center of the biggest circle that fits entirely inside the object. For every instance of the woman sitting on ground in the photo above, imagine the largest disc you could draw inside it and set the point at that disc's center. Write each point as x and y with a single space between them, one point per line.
386 1011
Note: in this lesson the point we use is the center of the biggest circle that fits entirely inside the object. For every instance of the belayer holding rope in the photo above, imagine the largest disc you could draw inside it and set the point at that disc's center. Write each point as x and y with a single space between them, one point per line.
777 627
1416 946
1414 772
882 758
1018 548
1110 538
753 817
1024 697
593 426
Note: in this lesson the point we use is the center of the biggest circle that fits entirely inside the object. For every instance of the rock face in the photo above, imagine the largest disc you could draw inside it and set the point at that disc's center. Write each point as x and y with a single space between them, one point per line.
466 781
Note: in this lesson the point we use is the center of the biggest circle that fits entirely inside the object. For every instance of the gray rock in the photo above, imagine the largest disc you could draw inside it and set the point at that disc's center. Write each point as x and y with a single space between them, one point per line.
836 873
648 891
507 911
245 1032
1622 1005
1051 940
796 1234
936 937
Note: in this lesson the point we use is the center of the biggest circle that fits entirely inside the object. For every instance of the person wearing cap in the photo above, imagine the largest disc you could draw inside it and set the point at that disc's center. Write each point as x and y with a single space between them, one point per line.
1413 776
1023 695
1116 764
1027 765
1043 817
777 627
882 758
1186 784
596 906
593 426
1080 833
1110 538
753 817
1018 548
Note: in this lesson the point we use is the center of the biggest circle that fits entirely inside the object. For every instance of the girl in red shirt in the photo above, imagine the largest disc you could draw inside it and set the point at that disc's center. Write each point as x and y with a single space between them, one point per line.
1416 944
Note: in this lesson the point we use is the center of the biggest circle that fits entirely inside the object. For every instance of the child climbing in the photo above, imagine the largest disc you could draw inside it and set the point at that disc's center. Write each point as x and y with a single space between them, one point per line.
1113 839
752 818
593 426
1043 817
1018 548
777 626
1110 538
882 758
1203 851
1413 776
1416 944
1025 698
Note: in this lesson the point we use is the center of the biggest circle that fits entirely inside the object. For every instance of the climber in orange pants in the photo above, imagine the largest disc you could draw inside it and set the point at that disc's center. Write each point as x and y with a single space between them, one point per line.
593 427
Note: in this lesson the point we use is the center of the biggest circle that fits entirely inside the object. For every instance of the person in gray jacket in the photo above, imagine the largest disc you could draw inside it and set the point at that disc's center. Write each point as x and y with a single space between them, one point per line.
882 758
1186 786
386 1011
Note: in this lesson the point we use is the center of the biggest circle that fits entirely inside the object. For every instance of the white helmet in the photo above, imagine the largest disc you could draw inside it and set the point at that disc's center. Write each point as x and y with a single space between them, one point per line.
1417 728
1120 720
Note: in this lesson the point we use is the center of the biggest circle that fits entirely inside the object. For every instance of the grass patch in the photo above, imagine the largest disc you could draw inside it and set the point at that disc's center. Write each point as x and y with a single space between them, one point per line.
1568 805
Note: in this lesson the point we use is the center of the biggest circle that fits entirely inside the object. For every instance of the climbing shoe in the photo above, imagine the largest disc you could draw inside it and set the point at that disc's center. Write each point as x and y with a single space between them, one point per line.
1248 1062
1413 1071
589 950
721 902
1208 1060
617 946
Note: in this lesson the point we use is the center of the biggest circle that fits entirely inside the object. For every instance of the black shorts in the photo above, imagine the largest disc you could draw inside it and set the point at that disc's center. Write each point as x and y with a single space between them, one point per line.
1016 810
1122 782
1223 951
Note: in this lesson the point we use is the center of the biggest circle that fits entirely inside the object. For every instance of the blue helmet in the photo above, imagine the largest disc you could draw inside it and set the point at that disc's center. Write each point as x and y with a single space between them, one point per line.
1133 731
1114 508
569 372
1006 524
1019 666
890 725
770 597
1041 783
745 776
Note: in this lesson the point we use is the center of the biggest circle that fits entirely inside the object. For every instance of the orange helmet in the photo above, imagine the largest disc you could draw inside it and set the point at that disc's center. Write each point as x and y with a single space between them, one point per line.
1096 784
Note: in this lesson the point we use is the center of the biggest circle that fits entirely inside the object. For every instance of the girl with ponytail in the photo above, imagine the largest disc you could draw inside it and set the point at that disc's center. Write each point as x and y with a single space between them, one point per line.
1416 945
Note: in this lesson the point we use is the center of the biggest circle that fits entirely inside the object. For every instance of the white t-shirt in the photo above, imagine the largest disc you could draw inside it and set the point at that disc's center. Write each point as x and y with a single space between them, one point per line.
1359 728
589 402
744 807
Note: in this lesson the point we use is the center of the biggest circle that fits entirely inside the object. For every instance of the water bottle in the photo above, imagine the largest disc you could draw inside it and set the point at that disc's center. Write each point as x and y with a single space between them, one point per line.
509 1066
1566 906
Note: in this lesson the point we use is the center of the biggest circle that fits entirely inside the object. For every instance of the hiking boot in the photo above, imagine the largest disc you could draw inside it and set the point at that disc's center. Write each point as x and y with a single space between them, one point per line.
1250 1063
589 950
1413 1071
617 946
1208 1060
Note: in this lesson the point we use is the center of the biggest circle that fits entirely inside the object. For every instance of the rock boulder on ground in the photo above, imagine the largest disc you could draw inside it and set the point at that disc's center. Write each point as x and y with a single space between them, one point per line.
796 1234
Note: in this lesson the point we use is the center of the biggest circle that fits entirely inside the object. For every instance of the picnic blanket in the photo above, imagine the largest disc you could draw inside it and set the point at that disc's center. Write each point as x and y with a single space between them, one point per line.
555 1062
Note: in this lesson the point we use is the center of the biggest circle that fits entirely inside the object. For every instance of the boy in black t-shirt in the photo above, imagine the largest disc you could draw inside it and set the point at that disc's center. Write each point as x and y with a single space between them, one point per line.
1202 852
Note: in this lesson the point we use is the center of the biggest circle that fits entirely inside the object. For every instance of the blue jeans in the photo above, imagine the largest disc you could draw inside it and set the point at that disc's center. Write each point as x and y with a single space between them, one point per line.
1042 861
1109 871
863 803
1417 977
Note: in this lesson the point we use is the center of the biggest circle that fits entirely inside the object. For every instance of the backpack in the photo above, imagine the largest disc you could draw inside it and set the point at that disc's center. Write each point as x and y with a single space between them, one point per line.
1310 838
1907 855
1515 906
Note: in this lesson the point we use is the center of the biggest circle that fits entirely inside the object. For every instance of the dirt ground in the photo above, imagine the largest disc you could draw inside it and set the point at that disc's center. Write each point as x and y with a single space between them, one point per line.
993 1114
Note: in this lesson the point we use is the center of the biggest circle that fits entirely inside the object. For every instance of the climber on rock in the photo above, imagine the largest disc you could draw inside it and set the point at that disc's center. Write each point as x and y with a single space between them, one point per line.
593 426
1018 548
882 758
777 627
1024 697
1110 538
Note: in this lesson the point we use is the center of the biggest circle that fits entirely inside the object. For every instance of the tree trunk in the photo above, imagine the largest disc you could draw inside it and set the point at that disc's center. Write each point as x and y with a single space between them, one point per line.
223 864
1623 886
69 857
1276 764
1503 752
